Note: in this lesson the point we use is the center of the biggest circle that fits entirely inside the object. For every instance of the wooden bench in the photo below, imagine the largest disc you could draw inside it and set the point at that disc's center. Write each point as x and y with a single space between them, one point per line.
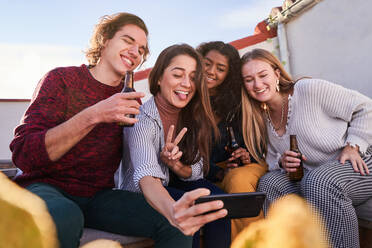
7 167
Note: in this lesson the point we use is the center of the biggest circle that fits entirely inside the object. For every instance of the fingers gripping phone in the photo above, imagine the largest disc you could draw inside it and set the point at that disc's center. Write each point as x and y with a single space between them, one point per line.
238 205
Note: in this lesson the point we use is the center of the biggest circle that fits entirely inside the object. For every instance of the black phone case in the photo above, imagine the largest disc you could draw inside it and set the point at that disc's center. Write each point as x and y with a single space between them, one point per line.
238 205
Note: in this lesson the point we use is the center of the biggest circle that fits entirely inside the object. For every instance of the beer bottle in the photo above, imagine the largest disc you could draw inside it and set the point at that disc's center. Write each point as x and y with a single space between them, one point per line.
128 87
299 173
232 144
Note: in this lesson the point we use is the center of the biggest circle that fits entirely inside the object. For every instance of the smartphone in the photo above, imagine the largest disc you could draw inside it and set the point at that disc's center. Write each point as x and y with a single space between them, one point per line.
238 205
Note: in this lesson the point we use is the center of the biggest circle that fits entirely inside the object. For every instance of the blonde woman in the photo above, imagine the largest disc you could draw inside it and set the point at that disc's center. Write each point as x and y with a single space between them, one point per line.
333 128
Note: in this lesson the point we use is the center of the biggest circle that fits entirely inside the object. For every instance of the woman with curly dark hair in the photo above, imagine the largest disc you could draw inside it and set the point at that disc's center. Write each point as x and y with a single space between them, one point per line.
237 171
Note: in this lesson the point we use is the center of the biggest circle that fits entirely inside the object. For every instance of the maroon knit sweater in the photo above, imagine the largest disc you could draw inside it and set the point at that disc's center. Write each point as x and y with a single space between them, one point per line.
90 165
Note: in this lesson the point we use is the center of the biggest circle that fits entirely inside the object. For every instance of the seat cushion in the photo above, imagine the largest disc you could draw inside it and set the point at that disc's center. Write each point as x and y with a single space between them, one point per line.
102 243
90 234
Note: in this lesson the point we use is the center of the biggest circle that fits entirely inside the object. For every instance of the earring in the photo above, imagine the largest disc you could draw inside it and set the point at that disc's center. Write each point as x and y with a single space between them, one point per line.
277 85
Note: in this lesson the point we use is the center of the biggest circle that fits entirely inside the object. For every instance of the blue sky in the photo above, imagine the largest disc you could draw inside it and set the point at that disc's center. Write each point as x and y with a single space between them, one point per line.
37 36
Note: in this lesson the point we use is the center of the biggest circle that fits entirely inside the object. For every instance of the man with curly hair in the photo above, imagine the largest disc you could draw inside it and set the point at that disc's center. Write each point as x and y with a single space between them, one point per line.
69 143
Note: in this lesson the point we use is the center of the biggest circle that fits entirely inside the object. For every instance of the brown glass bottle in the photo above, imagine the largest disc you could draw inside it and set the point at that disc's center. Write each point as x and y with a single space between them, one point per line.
299 173
128 87
232 144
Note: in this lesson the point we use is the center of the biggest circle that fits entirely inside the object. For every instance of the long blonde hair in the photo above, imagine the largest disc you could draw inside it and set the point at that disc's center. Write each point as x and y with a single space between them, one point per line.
253 120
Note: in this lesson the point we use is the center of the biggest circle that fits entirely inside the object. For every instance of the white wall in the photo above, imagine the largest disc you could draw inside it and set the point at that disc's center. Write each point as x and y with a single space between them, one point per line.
271 45
11 114
333 41
143 86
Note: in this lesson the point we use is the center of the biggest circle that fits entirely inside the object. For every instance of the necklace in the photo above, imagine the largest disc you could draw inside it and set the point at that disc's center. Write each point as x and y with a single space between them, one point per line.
267 110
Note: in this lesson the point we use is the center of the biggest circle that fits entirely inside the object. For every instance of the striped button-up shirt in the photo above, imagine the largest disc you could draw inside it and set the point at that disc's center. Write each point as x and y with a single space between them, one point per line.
142 147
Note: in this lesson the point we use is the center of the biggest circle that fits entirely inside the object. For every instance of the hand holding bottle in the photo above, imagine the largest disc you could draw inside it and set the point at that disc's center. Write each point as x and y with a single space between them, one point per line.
289 161
242 154
292 161
116 108
238 157
233 147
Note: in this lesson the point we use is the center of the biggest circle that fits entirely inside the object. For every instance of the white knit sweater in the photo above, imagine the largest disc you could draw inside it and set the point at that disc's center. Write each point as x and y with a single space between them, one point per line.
325 117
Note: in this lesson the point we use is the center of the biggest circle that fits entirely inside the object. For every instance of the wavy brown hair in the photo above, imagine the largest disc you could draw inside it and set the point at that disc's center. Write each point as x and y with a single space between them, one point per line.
197 115
254 126
106 29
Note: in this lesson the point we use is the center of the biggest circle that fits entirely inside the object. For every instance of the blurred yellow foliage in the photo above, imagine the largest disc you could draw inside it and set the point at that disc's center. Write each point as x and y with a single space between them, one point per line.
290 224
25 221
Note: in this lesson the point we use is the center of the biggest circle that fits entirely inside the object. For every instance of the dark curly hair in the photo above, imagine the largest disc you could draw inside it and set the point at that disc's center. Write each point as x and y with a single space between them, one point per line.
226 103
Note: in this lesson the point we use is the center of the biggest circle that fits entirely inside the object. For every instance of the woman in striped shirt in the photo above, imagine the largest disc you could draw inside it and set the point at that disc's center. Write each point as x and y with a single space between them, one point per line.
167 152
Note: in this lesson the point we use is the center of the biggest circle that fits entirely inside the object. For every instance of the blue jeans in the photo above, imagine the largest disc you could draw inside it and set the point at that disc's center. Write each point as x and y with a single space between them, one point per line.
216 234
115 211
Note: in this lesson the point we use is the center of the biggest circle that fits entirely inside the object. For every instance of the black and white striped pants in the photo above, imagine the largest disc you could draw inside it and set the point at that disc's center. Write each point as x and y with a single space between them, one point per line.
333 189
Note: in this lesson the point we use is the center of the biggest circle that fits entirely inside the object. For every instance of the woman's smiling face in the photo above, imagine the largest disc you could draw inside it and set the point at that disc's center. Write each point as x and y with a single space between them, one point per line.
216 68
260 80
177 85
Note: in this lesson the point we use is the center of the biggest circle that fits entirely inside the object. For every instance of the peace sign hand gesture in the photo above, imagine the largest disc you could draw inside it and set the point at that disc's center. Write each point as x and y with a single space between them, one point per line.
170 154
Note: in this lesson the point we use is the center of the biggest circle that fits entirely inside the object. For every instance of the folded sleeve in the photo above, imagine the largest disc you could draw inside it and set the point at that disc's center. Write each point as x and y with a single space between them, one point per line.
141 141
197 171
